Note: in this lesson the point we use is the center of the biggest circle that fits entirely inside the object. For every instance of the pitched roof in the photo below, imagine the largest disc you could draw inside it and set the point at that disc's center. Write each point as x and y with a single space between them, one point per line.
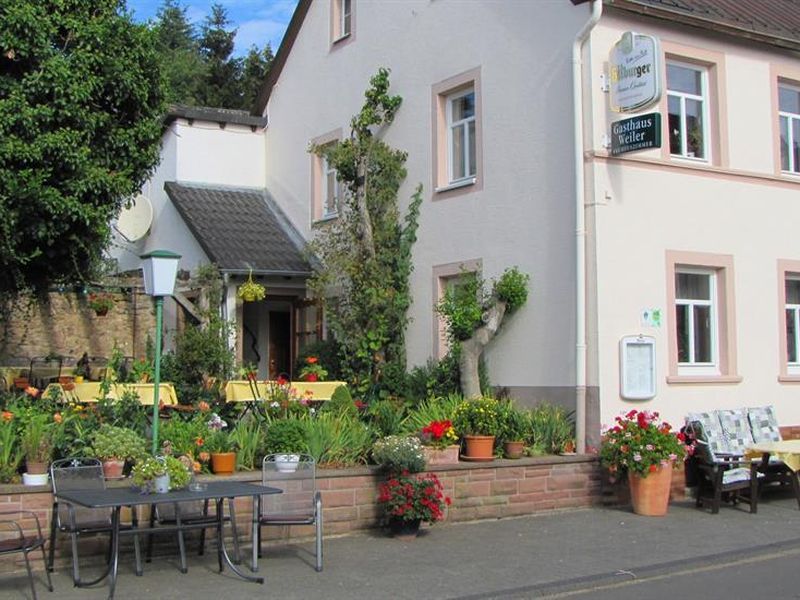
240 229
775 22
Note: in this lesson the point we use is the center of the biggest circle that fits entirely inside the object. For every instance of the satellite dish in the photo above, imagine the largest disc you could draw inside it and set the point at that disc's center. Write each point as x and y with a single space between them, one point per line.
134 221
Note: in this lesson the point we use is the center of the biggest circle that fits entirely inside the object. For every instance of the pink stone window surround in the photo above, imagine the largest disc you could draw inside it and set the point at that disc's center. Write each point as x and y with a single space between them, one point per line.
342 23
711 66
448 125
443 275
720 268
321 209
788 315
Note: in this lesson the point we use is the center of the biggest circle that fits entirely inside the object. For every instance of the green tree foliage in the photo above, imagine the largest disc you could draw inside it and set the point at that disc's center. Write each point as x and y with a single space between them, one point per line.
255 68
179 49
220 86
81 101
366 252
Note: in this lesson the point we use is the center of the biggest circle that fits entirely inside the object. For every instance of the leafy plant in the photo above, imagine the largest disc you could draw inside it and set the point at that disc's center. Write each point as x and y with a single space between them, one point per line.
438 434
312 370
37 438
341 402
10 451
338 440
248 437
478 416
551 428
514 425
250 291
462 306
186 437
512 288
432 409
398 454
410 498
387 415
146 470
117 443
219 441
287 436
437 378
100 302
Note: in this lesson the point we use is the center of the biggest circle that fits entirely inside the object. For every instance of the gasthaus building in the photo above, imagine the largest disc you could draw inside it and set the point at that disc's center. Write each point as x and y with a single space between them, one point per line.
640 159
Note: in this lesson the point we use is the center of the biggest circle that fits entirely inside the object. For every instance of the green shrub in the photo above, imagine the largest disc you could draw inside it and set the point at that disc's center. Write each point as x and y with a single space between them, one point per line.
286 436
185 436
551 428
432 409
117 443
338 440
249 439
341 402
435 378
387 416
514 425
145 471
462 306
512 288
477 416
396 454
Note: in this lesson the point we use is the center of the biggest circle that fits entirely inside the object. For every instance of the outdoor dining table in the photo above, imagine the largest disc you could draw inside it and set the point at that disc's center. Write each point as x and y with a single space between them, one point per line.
89 391
219 491
244 391
787 451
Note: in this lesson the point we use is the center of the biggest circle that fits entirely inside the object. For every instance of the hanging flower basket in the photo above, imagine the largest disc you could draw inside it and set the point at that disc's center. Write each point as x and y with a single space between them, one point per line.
101 302
250 291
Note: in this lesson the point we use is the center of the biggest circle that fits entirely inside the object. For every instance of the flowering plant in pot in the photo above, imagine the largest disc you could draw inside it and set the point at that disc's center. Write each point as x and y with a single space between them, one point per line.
642 447
101 302
312 370
160 474
250 291
408 500
221 446
478 421
440 442
114 446
398 454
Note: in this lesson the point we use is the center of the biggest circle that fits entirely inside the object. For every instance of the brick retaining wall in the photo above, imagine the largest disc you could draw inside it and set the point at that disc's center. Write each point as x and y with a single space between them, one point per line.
502 488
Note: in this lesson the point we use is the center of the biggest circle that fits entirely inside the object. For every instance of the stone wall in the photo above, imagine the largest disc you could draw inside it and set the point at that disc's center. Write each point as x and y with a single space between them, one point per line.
504 488
65 325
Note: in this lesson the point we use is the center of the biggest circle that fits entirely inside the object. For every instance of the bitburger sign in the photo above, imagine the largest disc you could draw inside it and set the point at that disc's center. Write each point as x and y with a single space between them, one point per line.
635 72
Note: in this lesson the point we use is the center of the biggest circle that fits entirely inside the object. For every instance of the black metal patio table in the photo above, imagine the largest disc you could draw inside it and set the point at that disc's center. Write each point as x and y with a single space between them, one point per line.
219 491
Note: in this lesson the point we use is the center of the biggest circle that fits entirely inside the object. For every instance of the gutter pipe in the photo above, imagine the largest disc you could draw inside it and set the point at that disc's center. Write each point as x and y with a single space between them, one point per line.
580 227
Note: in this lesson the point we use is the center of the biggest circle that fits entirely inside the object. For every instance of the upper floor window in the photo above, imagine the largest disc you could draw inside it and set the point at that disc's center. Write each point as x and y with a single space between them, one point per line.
341 19
793 324
789 120
330 193
461 135
695 319
687 107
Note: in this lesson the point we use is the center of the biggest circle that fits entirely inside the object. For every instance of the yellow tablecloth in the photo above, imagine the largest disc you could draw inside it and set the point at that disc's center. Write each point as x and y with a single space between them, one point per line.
787 451
240 391
89 391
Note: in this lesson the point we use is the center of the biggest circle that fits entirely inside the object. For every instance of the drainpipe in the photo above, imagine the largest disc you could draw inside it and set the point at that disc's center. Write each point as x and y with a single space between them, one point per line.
580 228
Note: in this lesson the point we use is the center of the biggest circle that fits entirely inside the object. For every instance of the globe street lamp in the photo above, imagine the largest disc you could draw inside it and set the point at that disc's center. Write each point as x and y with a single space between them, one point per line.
160 268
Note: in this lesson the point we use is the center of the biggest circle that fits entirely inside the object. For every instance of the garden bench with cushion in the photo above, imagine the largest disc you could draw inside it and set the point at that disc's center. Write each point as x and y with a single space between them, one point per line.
724 471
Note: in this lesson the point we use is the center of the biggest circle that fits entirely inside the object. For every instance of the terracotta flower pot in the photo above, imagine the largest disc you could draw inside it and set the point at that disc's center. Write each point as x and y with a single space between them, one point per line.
112 469
35 468
223 463
514 449
478 447
650 495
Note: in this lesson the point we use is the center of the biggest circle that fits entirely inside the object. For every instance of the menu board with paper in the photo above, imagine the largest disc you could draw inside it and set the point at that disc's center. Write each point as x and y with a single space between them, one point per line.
637 363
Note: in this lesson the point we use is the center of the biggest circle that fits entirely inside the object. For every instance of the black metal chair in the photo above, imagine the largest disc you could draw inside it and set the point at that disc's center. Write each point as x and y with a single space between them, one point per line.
14 539
82 474
189 513
299 504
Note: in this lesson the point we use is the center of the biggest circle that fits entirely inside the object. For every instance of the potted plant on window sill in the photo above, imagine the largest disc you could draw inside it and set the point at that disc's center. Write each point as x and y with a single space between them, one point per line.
114 446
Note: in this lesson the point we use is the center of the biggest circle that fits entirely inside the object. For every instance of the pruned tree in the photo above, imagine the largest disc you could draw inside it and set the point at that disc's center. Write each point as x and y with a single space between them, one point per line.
474 317
81 107
366 252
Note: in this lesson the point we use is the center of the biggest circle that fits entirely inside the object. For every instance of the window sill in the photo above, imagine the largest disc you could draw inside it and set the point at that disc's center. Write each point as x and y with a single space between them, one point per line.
342 38
456 185
788 378
682 379
325 219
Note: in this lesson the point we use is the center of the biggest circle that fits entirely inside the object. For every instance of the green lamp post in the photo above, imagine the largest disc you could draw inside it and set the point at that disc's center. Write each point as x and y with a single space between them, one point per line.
160 268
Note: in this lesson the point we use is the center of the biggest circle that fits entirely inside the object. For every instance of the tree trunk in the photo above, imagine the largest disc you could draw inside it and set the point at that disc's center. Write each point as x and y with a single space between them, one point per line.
363 211
472 349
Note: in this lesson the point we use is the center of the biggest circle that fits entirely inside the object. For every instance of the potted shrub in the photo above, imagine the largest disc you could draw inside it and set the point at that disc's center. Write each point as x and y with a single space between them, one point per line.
407 501
439 442
115 445
160 474
286 439
513 430
223 452
644 449
399 454
477 421
101 302
37 447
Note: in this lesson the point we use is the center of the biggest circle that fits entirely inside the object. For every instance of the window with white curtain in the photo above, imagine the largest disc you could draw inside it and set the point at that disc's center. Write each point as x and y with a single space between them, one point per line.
687 110
696 321
789 122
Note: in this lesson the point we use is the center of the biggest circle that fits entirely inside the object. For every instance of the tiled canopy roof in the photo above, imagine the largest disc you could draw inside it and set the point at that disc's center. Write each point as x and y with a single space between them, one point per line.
772 21
240 229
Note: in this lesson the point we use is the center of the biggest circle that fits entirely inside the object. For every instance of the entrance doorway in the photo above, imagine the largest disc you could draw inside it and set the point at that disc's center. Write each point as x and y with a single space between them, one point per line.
279 350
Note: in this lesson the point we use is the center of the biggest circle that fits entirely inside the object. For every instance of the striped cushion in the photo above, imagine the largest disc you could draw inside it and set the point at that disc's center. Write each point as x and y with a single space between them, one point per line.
763 424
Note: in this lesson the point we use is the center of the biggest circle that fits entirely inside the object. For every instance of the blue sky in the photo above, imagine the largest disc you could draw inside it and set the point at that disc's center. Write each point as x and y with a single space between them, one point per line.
258 21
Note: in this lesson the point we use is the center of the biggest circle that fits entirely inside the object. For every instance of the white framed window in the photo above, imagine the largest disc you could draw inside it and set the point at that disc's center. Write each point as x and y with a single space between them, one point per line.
792 308
461 135
346 13
341 21
330 190
687 110
789 124
696 321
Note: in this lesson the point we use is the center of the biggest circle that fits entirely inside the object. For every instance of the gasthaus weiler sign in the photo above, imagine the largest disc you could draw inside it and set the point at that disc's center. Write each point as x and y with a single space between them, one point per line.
637 133
635 72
